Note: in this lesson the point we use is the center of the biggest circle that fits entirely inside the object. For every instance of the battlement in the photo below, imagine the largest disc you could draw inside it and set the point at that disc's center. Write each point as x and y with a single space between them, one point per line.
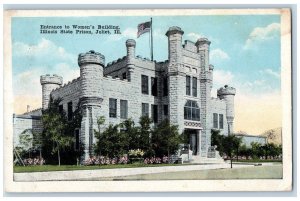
144 59
189 46
174 30
91 57
115 61
51 79
202 41
66 84
226 90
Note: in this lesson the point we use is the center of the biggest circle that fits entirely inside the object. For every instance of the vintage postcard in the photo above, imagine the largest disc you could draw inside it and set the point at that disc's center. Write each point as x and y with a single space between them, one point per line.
147 100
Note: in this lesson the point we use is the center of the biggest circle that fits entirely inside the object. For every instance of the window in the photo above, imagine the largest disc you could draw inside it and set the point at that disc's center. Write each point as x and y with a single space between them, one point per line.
123 109
221 124
166 86
76 145
191 111
195 86
188 85
154 86
70 111
166 110
154 113
124 76
112 107
145 89
215 119
60 109
145 109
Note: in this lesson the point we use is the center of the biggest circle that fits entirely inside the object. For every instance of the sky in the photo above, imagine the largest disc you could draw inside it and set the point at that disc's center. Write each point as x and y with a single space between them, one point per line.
245 50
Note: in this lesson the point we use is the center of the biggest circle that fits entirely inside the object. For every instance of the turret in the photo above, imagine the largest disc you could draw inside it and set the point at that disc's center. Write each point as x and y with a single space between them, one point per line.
227 93
203 45
130 46
91 74
176 79
49 82
175 47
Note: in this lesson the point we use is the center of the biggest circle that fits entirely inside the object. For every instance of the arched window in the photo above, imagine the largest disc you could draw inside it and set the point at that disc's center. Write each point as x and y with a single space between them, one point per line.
191 111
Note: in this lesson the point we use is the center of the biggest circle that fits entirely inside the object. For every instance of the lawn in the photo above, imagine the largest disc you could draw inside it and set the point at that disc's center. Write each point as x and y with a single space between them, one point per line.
46 168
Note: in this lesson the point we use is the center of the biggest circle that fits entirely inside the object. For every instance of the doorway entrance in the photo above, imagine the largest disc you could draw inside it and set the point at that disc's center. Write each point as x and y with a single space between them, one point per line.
192 138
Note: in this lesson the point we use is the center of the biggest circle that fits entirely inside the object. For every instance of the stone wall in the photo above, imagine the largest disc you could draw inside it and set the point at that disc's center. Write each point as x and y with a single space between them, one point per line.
97 84
218 106
23 122
70 92
248 139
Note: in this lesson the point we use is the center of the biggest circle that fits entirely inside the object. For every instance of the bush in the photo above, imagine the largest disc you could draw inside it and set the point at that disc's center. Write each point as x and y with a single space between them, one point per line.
35 161
156 160
102 160
136 153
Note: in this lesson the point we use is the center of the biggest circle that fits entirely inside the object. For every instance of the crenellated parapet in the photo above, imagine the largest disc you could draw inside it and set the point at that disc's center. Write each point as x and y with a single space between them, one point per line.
66 85
130 43
91 57
202 41
49 82
174 30
51 79
226 90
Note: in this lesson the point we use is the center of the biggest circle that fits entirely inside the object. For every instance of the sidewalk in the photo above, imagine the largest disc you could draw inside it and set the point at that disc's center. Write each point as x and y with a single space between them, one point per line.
102 173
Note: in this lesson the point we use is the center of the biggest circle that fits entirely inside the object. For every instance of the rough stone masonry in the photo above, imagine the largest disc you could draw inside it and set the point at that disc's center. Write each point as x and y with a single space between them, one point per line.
178 89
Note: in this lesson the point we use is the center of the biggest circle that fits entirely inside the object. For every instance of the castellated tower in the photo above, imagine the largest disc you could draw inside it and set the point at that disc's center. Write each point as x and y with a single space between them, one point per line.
91 75
176 77
206 74
49 82
130 45
227 93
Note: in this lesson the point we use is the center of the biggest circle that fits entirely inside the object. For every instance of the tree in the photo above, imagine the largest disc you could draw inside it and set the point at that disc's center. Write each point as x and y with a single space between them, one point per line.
132 140
217 140
26 141
256 150
231 144
165 139
144 133
245 151
228 145
55 124
97 133
111 142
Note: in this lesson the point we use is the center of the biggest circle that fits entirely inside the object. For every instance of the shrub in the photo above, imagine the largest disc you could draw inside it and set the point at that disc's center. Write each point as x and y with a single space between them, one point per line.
136 153
156 160
102 160
35 161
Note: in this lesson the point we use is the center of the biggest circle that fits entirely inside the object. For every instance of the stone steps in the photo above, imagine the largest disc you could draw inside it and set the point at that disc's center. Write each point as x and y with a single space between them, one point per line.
202 160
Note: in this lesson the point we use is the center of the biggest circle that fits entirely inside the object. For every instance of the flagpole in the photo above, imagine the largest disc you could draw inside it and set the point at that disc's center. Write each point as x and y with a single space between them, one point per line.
151 42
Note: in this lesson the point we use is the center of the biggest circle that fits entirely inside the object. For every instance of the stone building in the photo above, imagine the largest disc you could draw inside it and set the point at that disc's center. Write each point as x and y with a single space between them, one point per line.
249 139
178 89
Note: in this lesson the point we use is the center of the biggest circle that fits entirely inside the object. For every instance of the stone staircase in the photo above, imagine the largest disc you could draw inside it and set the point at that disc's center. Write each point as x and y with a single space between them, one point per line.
205 160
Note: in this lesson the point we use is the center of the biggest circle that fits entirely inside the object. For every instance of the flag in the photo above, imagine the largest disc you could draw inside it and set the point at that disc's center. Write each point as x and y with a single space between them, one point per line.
143 28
